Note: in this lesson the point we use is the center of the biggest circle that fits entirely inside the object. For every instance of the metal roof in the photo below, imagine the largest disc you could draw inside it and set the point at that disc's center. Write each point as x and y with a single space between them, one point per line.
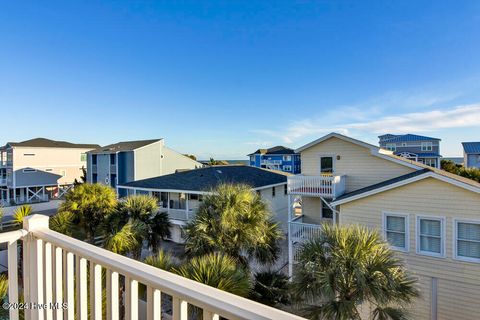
405 138
471 147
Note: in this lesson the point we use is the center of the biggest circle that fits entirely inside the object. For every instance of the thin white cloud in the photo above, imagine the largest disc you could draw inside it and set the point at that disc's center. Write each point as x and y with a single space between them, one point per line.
456 117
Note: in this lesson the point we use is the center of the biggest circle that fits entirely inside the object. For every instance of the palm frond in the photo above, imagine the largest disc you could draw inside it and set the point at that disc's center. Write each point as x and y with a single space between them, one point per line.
20 214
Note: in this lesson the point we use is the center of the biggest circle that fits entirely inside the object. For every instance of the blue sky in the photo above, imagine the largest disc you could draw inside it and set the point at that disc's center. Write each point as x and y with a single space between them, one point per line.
222 78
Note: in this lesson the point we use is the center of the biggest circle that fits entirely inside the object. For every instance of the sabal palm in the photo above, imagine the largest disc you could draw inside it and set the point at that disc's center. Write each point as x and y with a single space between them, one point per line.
90 203
162 260
219 271
21 213
234 220
63 222
346 267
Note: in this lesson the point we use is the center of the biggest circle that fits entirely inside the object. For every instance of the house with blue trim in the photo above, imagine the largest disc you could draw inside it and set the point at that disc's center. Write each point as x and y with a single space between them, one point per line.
422 149
471 154
276 158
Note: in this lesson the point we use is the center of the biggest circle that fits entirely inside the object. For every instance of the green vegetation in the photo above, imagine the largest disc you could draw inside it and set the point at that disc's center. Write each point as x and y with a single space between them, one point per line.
235 221
20 214
90 204
452 167
344 268
271 288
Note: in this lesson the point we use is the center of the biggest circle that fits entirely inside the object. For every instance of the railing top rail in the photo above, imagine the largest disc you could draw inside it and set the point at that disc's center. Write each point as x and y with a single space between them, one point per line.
311 225
12 236
203 296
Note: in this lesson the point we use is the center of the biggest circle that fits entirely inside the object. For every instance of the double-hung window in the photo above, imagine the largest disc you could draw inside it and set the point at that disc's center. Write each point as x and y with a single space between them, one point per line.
467 240
431 236
427 146
391 146
396 230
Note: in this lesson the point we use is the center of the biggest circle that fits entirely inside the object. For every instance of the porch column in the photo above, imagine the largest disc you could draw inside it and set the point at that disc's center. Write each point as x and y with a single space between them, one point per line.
186 203
168 201
290 251
289 207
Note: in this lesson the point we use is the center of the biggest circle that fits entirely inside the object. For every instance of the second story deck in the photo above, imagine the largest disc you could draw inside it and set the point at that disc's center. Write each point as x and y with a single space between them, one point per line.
327 185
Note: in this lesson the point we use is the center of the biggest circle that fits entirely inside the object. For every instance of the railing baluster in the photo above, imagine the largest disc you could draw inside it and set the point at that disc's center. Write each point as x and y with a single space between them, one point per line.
70 290
180 309
208 315
131 299
13 279
154 301
58 283
48 281
36 277
95 291
82 297
112 295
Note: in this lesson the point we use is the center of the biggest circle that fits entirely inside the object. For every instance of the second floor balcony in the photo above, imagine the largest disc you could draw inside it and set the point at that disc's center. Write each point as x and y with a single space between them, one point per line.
57 270
327 185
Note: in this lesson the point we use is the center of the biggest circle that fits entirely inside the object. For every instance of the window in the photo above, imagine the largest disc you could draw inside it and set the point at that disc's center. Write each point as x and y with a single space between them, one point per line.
404 144
94 178
391 146
63 173
83 157
113 180
29 154
287 168
49 170
28 170
430 162
94 159
327 212
427 146
467 240
396 231
326 164
193 196
273 192
430 236
287 158
285 190
112 159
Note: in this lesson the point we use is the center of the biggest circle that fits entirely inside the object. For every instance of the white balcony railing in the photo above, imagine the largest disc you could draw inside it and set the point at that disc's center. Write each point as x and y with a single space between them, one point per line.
181 214
329 186
3 181
58 269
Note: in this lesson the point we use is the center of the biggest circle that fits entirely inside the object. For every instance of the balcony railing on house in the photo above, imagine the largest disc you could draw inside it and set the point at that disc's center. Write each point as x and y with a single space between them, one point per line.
180 214
3 181
329 186
58 269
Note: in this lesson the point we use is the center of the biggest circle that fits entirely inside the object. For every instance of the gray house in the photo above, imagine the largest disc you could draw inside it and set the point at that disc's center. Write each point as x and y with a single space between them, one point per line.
127 161
471 154
422 149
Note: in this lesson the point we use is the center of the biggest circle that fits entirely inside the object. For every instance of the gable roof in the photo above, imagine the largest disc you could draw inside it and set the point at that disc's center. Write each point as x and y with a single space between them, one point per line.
205 179
124 146
274 150
47 143
375 150
428 172
471 147
404 138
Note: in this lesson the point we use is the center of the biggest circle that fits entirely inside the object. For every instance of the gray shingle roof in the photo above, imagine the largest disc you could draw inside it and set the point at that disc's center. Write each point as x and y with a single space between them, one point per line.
47 143
405 137
471 147
275 150
205 179
124 146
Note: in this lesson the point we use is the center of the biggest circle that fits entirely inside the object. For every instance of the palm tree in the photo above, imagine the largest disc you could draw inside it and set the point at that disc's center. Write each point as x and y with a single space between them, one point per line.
90 203
346 267
20 214
162 260
219 271
63 222
136 220
271 288
234 220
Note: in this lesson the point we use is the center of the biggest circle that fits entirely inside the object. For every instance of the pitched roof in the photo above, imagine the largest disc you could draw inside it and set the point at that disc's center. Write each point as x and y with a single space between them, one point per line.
404 138
47 143
471 147
205 179
342 137
124 146
408 178
274 150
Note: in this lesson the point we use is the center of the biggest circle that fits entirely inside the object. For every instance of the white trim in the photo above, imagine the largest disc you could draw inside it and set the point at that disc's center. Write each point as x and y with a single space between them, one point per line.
269 186
455 232
442 220
326 155
162 190
407 228
425 175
